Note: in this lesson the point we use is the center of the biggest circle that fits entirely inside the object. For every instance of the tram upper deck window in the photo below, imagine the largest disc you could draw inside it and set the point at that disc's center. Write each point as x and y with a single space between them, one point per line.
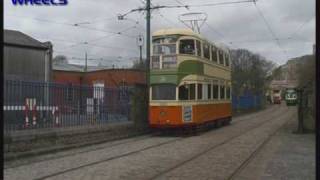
164 45
187 92
198 44
221 58
187 46
214 55
206 50
165 40
164 92
227 59
165 49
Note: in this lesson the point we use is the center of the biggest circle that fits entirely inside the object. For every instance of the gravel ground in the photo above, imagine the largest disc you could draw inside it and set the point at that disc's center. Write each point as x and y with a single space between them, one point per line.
216 154
285 156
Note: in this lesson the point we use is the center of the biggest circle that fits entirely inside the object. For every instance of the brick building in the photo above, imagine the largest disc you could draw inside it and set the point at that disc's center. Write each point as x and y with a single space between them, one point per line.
75 75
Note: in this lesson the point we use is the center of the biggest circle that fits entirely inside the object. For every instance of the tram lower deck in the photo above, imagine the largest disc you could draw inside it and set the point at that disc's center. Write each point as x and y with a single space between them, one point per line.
188 115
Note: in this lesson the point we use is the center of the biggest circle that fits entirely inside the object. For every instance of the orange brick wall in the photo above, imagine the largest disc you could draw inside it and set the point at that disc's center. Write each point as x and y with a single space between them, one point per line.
67 77
110 77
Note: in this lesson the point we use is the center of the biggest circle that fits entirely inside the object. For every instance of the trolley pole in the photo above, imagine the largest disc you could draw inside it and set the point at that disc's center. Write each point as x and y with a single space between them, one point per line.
148 55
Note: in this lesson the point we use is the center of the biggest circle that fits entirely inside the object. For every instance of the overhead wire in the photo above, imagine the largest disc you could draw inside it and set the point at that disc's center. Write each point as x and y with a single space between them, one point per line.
270 29
72 25
301 26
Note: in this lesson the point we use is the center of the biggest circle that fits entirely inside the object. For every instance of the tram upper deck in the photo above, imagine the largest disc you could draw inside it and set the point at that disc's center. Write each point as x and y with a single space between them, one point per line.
184 59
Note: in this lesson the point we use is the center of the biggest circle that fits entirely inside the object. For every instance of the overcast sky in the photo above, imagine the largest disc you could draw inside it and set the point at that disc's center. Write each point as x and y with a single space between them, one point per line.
236 25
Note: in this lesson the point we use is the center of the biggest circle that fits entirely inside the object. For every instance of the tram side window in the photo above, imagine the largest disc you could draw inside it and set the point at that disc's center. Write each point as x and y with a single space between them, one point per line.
222 92
209 91
206 50
187 92
199 91
187 46
192 92
198 43
221 59
214 55
215 89
228 92
164 92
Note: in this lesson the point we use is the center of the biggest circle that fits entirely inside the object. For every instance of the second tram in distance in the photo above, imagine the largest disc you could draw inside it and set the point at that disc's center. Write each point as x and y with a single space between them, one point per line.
190 80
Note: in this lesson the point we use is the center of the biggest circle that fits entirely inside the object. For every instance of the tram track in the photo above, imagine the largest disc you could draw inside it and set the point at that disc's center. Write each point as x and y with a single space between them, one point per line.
135 139
245 163
161 144
216 146
108 159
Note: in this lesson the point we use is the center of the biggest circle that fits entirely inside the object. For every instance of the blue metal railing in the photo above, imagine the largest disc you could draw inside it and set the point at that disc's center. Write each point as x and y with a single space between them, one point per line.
34 105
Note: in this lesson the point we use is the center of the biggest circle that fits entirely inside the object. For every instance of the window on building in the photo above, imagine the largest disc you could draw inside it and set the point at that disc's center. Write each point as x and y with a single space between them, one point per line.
187 46
198 44
187 92
215 90
206 50
209 91
199 91
221 57
214 55
164 92
98 89
222 92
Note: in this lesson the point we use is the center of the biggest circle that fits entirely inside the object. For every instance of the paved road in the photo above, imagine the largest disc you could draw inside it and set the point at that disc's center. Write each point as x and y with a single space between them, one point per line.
218 154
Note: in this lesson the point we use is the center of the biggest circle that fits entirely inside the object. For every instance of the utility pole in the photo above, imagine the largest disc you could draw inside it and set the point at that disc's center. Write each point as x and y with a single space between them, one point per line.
140 49
140 44
148 55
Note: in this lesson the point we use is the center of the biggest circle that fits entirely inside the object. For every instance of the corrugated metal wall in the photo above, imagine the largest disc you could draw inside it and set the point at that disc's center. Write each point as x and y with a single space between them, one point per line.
24 63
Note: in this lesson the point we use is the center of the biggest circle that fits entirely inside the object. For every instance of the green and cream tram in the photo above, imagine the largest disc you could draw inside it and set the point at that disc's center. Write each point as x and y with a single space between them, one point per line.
190 80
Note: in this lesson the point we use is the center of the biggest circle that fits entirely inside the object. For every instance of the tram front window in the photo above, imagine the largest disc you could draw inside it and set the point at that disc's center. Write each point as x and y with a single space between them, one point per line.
187 46
165 49
164 92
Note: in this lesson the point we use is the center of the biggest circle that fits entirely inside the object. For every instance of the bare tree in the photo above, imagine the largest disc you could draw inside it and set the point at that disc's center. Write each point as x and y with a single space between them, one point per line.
249 71
60 59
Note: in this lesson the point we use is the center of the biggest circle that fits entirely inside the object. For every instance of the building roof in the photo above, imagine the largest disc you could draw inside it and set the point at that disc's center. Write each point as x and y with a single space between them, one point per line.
13 37
80 68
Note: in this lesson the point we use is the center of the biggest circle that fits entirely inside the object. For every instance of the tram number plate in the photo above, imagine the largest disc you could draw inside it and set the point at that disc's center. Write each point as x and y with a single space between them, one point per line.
187 113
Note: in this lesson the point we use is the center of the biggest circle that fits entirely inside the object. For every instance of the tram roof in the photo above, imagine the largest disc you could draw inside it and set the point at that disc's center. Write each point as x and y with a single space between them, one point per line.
186 32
